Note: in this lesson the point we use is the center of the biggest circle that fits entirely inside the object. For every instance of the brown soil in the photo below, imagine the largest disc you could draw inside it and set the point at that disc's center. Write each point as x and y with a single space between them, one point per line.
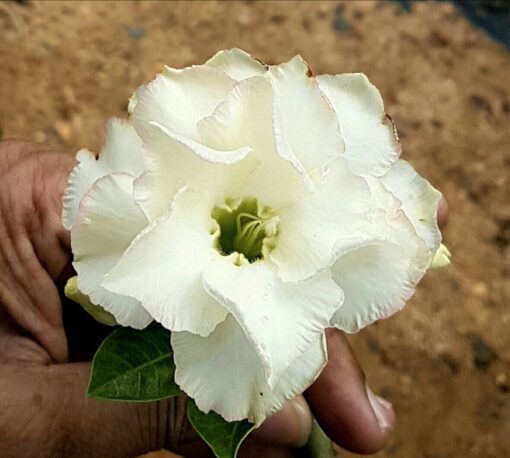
444 361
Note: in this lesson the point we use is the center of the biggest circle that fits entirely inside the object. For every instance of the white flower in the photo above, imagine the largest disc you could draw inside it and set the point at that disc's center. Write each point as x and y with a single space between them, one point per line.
248 208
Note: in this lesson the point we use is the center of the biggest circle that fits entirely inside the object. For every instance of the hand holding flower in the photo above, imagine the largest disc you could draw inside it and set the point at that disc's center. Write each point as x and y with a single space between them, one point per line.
44 410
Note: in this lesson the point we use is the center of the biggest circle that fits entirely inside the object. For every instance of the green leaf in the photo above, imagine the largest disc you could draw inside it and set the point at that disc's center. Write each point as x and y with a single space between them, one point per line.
134 365
222 436
319 445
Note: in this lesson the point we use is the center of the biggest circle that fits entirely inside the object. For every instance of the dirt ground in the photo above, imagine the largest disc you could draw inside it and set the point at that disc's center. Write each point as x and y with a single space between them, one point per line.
444 362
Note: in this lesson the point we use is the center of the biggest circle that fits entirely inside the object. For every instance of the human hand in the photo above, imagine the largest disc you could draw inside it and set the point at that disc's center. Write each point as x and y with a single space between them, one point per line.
42 394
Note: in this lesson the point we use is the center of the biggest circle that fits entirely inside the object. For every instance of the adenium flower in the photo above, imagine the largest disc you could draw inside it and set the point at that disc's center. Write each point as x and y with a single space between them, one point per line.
247 208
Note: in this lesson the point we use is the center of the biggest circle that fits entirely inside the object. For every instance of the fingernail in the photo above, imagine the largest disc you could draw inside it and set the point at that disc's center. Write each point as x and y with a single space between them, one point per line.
291 426
442 211
383 410
303 419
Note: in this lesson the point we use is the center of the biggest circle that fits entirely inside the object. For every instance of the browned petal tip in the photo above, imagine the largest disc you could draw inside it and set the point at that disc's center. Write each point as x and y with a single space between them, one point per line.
387 117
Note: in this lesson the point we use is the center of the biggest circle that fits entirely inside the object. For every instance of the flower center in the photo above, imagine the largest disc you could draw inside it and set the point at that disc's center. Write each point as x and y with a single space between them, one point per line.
245 228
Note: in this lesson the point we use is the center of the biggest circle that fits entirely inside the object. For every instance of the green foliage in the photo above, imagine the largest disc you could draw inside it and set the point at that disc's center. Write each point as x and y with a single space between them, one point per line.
222 436
138 365
319 445
134 365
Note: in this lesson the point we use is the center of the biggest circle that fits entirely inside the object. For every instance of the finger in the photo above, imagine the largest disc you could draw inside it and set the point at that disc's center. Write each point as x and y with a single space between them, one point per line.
14 150
32 248
45 408
254 449
161 454
29 296
442 212
347 410
289 427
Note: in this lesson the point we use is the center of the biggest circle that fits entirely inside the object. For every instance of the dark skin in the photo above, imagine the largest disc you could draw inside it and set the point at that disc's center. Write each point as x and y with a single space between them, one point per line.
44 358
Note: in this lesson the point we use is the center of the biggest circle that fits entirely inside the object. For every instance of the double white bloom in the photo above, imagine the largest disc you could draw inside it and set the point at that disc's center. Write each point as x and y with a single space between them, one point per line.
247 208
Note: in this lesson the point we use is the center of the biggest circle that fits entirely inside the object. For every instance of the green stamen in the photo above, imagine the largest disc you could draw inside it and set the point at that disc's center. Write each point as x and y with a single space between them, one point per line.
245 228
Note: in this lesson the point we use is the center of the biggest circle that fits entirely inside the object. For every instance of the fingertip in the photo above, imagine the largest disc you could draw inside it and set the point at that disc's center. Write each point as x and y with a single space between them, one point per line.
442 212
383 410
161 454
289 427
347 410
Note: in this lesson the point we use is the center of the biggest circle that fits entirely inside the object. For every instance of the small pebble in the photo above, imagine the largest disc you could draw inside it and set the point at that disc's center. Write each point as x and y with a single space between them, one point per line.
451 363
480 289
39 137
480 103
63 129
136 32
341 25
373 345
502 383
483 356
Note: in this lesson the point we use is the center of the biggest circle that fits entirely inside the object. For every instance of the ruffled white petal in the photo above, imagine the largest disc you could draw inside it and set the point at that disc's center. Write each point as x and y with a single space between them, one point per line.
419 201
204 152
312 228
302 372
173 161
107 223
272 312
80 179
163 266
305 125
371 144
179 98
237 64
245 119
223 373
121 152
379 276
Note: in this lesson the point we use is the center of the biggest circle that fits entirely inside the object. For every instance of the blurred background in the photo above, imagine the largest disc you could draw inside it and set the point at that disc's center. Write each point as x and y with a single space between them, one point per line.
444 362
